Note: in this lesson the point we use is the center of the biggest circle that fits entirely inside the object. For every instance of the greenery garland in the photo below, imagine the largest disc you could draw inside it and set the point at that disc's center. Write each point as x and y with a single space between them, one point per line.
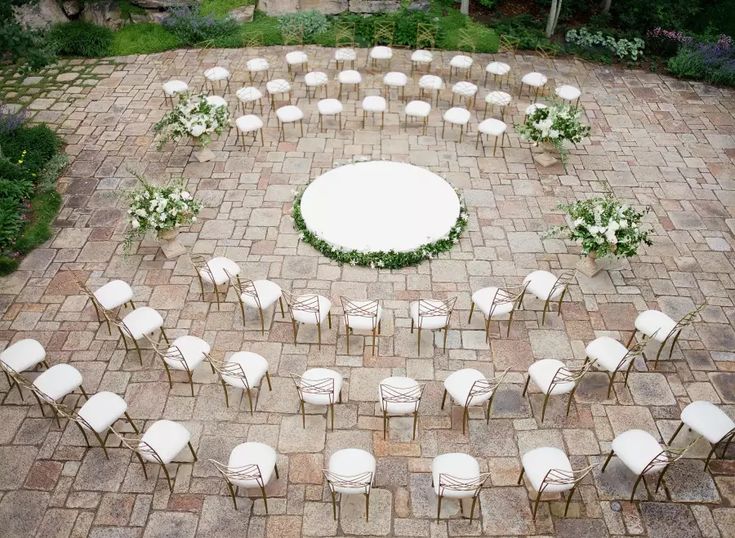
381 259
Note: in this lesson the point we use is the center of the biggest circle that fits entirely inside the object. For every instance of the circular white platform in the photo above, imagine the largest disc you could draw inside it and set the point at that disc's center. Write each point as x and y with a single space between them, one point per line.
379 206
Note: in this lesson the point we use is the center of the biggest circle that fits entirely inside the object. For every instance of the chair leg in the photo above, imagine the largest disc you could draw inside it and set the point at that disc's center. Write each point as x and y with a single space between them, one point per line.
709 456
438 507
465 418
319 334
681 425
334 505
419 339
303 415
525 387
543 409
446 332
444 398
571 397
472 507
232 494
130 421
607 460
635 487
265 498
168 479
569 498
367 506
520 476
262 321
472 309
632 336
535 504
385 425
250 400
415 421
331 406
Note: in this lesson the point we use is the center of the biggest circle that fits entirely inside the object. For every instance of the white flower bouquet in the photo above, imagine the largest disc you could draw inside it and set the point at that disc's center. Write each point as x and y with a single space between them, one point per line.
193 116
159 209
554 124
603 226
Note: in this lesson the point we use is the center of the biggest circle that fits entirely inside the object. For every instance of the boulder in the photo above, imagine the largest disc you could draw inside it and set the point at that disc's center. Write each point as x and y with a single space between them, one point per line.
72 8
328 7
243 13
162 4
278 7
103 13
419 5
39 15
374 6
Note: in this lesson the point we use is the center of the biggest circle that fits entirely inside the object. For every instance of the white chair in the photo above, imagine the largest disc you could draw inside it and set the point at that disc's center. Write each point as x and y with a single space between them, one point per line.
295 59
250 466
395 79
530 109
255 66
55 384
642 454
549 471
185 354
315 80
344 55
140 323
289 114
496 302
216 101
351 78
535 81
419 110
661 328
243 370
329 107
457 476
491 127
498 99
318 386
545 286
215 76
456 116
611 356
469 387
161 443
421 58
350 472
379 54
216 271
431 314
109 298
308 309
460 63
466 91
363 316
498 70
373 104
259 294
19 357
399 396
248 96
249 124
568 93
432 85
172 88
553 378
710 422
276 88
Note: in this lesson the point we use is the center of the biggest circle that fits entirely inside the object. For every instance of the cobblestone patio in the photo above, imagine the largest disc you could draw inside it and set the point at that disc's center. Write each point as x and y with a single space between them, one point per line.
655 140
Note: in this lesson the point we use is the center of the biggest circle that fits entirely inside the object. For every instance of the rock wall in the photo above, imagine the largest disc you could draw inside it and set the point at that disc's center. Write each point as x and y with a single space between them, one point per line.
328 7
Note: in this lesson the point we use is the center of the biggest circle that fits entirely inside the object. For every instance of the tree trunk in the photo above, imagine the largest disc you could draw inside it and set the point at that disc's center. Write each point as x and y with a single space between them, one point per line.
553 17
464 7
606 6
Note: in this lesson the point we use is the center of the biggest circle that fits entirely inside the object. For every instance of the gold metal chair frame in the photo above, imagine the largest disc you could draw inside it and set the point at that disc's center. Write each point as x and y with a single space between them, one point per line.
201 264
11 376
338 116
726 439
98 308
282 129
433 94
251 106
366 112
315 386
559 477
452 125
627 359
124 331
563 375
538 91
174 354
255 40
501 296
425 40
309 303
400 395
344 38
465 43
454 483
562 282
247 287
424 120
362 480
369 311
428 309
383 35
233 369
73 416
293 34
240 136
246 472
479 388
479 142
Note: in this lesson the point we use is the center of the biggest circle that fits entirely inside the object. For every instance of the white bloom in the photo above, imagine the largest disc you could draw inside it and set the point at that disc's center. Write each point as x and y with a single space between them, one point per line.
197 130
135 224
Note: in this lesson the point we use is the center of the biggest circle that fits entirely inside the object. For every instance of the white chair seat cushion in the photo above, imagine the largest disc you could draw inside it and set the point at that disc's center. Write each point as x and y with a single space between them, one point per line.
540 284
427 322
498 68
492 127
268 293
252 453
459 384
349 76
373 103
23 355
654 324
315 78
277 85
395 78
431 82
141 321
542 374
398 408
310 318
114 294
329 107
464 88
636 449
461 61
318 374
381 53
350 462
174 87
539 461
254 367
345 54
102 410
217 73
707 420
534 79
567 92
422 56
458 465
166 438
220 268
248 123
249 94
364 323
606 353
457 115
192 348
257 65
58 381
216 101
289 114
498 98
530 109
296 57
483 299
420 109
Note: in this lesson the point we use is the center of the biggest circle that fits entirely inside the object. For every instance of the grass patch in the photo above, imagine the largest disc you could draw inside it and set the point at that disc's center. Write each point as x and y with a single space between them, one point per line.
44 207
143 38
220 8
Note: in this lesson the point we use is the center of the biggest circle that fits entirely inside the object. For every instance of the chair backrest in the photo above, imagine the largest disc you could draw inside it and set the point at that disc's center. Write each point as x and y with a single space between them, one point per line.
383 33
508 43
200 265
137 445
117 322
368 310
668 456
425 36
314 386
90 294
485 387
362 481
168 352
307 303
253 39
293 33
562 283
562 477
686 320
466 41
448 482
434 308
229 369
344 34
565 375
512 294
634 352
246 472
245 287
400 395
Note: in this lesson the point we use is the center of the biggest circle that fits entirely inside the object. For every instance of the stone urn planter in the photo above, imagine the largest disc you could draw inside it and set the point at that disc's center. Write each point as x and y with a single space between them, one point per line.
201 152
589 266
169 245
545 154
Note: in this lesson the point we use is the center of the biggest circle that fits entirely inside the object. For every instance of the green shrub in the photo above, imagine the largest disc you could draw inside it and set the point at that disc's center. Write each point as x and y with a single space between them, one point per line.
16 190
311 22
11 224
191 27
143 38
81 38
38 142
44 208
711 62
525 32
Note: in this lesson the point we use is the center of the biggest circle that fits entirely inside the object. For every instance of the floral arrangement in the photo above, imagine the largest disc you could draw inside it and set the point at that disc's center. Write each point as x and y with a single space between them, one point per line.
380 259
554 124
193 116
159 208
713 62
604 226
624 49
